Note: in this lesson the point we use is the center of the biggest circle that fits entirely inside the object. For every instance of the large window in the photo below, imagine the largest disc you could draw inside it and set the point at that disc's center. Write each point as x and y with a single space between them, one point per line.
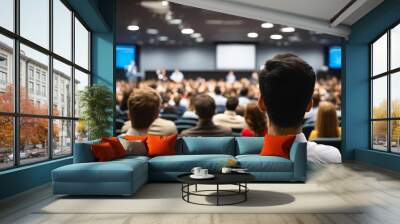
44 64
385 92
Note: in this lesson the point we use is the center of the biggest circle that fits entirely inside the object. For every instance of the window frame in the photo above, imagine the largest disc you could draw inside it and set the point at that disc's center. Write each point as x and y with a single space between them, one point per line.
388 74
16 115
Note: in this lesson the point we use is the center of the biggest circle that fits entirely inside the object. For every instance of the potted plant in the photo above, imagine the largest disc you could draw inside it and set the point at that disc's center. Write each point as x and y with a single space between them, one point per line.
96 104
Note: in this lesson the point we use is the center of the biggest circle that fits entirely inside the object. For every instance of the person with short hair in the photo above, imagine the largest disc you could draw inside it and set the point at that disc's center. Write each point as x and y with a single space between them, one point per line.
229 118
243 97
144 107
286 86
204 106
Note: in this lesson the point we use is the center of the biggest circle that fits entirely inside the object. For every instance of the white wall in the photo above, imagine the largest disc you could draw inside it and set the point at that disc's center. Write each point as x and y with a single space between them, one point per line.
203 57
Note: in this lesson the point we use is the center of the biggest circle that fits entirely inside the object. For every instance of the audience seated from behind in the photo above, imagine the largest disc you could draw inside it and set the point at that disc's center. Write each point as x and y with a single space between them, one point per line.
310 116
326 125
286 87
204 106
256 121
219 99
229 118
144 108
122 111
178 107
190 113
243 97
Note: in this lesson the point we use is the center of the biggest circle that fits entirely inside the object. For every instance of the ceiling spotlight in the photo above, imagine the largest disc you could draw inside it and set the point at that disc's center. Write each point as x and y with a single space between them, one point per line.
162 38
287 29
267 25
133 27
152 31
187 31
164 3
200 39
195 35
252 35
276 36
175 21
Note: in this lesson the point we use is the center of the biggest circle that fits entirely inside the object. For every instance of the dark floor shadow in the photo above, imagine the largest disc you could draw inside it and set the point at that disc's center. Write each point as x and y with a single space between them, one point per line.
256 198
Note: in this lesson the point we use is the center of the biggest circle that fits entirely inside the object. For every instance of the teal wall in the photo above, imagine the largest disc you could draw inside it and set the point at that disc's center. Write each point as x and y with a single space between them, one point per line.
356 85
99 15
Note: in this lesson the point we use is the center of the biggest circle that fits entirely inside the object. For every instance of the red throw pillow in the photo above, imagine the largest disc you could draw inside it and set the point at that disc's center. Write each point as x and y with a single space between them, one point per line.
116 145
161 145
103 152
278 145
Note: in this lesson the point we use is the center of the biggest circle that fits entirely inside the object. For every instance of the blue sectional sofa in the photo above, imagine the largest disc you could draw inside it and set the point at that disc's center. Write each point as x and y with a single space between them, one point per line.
125 176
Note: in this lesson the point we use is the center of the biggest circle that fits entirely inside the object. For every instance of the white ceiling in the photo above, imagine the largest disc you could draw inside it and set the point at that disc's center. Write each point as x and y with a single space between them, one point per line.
315 15
321 9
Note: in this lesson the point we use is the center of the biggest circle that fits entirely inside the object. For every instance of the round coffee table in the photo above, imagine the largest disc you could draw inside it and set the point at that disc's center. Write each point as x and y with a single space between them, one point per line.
238 179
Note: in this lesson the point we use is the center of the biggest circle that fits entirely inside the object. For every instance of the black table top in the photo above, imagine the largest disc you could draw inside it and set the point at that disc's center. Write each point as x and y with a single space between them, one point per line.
220 178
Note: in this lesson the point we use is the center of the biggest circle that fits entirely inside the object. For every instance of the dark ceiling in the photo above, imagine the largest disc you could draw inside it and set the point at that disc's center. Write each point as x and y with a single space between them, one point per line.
213 26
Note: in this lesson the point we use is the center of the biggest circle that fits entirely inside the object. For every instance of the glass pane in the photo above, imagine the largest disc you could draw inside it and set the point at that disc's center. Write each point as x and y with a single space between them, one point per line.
81 132
379 97
34 97
81 45
62 138
6 142
62 29
379 55
62 89
379 135
33 139
6 74
395 94
395 136
395 47
81 81
34 16
7 14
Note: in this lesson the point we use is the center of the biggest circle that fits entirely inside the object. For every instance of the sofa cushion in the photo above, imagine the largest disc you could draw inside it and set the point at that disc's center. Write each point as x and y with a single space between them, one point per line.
185 163
83 152
112 171
249 145
257 163
207 145
103 152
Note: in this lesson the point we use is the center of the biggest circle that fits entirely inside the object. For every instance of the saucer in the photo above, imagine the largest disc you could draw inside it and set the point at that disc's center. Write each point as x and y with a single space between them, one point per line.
208 176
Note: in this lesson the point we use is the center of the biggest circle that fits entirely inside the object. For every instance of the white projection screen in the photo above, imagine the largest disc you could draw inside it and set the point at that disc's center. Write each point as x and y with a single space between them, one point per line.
236 56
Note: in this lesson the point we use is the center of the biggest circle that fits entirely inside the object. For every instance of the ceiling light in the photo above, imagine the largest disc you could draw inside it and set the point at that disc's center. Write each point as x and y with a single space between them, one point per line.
252 35
196 35
175 21
287 29
133 27
152 31
267 25
200 39
164 3
276 36
187 31
162 38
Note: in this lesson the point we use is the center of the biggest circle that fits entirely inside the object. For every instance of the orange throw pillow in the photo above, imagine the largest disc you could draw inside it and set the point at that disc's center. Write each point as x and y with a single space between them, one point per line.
161 145
116 145
103 152
278 145
135 137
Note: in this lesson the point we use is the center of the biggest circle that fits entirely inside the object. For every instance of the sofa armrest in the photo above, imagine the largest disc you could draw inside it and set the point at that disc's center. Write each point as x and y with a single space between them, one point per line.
298 155
83 152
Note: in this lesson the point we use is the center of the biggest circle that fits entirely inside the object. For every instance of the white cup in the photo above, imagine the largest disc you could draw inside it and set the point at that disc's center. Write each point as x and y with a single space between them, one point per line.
196 171
226 170
203 172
